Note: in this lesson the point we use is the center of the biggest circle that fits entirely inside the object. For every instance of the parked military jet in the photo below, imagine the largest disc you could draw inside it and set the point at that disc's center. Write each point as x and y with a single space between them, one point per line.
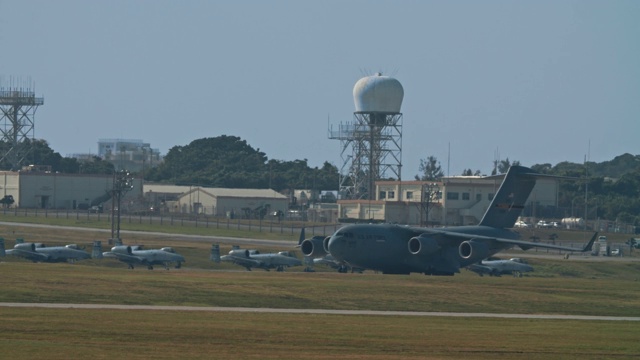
395 249
254 259
38 252
514 266
136 255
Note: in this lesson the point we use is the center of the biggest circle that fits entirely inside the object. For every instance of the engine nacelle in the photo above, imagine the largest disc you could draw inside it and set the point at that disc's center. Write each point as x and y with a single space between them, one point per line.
26 247
313 247
122 249
325 244
239 253
168 249
473 250
72 246
423 245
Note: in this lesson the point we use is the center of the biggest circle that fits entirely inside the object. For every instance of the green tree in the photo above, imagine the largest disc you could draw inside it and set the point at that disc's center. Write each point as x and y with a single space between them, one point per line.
469 172
430 169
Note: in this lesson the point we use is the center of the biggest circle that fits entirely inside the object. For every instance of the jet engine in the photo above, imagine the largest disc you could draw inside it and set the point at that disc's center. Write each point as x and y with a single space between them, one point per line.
26 247
423 245
122 249
240 253
313 247
325 244
473 250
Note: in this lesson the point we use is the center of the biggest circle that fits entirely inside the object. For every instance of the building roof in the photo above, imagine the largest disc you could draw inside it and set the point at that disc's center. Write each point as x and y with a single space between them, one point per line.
218 192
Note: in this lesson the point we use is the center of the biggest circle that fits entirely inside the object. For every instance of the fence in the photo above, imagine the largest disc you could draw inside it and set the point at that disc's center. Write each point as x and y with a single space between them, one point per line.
182 220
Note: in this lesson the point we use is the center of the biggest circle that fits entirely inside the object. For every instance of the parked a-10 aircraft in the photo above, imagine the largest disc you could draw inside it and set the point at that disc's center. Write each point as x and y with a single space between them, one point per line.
38 252
254 259
514 266
395 249
136 255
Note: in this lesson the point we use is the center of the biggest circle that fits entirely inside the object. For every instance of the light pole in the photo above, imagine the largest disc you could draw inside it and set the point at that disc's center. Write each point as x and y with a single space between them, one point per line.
122 183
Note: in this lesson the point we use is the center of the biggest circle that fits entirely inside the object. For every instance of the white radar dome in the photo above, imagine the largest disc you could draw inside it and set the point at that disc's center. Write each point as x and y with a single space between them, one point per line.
378 94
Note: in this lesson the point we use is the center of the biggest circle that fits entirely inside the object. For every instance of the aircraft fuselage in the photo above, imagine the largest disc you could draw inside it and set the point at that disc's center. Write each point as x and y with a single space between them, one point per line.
386 247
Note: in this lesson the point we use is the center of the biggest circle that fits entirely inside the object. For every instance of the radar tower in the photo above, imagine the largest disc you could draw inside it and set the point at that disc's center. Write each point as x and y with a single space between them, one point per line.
372 143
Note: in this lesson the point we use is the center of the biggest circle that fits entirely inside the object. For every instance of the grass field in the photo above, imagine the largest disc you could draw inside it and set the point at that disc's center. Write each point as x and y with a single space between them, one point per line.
556 287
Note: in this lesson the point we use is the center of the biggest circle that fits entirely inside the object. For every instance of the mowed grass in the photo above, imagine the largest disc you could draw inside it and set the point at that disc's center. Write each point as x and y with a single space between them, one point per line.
109 334
90 282
556 287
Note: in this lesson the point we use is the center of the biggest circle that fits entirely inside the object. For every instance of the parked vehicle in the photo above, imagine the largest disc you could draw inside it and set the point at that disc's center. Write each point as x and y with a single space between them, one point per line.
544 224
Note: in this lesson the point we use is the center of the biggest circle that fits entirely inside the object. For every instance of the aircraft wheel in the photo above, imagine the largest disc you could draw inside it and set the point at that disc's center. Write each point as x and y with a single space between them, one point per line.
150 267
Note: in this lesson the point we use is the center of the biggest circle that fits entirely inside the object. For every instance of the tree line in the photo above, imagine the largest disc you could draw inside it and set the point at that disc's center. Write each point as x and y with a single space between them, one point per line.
611 189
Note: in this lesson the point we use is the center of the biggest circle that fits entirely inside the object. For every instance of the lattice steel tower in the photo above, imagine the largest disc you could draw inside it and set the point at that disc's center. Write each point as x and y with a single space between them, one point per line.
18 105
372 143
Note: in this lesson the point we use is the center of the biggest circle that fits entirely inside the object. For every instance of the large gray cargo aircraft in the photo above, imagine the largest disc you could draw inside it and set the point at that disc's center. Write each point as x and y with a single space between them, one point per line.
38 252
396 249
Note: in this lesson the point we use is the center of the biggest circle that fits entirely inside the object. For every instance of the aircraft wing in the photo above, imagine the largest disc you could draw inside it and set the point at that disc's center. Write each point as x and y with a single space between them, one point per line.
124 257
27 254
524 245
480 269
246 262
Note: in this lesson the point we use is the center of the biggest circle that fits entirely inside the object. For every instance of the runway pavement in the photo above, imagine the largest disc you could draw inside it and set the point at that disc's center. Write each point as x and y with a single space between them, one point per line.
316 311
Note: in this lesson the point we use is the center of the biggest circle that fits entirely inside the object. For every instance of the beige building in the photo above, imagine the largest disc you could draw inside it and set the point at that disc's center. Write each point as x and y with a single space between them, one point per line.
456 200
244 203
47 190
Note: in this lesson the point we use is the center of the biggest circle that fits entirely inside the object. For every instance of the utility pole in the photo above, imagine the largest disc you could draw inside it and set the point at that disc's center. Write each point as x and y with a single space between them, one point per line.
122 183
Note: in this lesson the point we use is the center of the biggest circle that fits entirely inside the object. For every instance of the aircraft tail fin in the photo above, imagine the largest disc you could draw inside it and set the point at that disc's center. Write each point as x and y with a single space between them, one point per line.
301 239
508 203
215 253
96 252
2 252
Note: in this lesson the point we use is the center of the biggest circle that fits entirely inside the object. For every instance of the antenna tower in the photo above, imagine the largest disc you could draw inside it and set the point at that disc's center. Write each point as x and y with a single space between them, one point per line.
18 105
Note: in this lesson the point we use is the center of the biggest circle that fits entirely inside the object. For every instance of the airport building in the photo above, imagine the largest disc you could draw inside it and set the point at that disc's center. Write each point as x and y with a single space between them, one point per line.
35 189
456 200
231 203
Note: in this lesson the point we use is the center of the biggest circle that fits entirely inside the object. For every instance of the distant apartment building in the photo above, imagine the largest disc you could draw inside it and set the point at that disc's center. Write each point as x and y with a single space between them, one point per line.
129 154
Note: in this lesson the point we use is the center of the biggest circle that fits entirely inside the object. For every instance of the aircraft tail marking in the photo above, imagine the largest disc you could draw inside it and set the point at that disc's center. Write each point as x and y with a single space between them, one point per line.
508 203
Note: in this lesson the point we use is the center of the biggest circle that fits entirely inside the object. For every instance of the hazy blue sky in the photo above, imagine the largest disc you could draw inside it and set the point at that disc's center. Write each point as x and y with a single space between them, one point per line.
534 81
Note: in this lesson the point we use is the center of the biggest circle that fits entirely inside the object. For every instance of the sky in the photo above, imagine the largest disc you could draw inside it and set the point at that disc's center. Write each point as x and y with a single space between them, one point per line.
532 81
